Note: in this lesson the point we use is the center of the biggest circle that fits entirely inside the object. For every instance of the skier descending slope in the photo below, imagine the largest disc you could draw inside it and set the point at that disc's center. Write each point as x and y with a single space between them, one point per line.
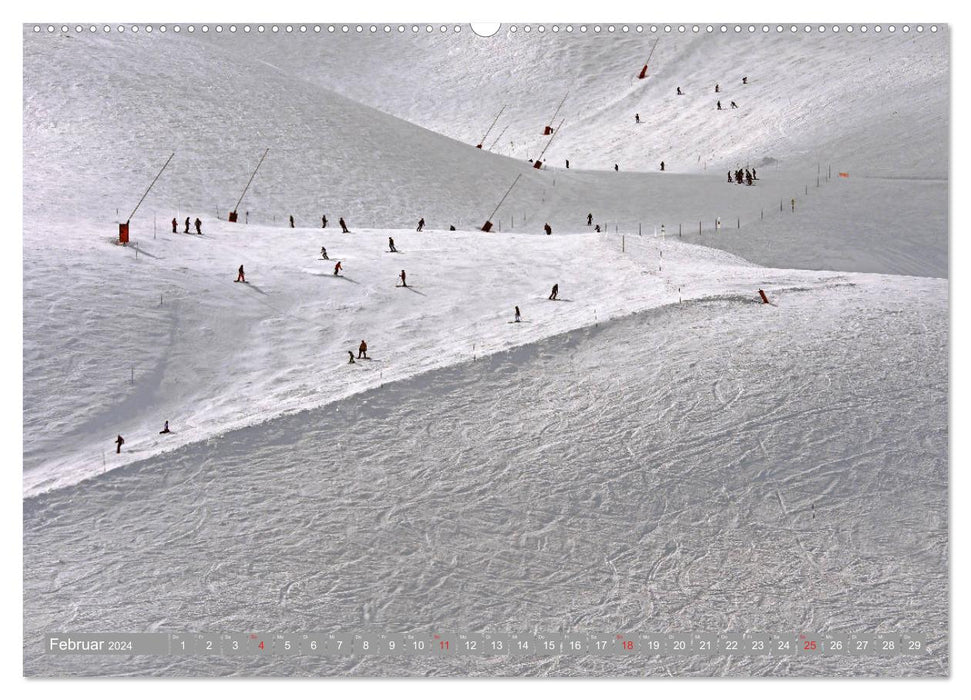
119 441
548 229
351 360
165 430
343 225
402 276
421 224
362 351
175 225
517 314
323 253
241 277
186 224
555 292
198 223
391 248
337 268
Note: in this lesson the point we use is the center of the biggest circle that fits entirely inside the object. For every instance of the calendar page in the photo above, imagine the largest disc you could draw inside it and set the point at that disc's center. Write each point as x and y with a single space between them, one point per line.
663 310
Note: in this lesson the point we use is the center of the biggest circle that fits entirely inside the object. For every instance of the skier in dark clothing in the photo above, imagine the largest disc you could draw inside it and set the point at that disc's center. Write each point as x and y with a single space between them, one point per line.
589 219
175 225
343 225
716 88
241 277
165 430
187 224
421 223
679 91
637 118
323 221
119 442
362 350
745 80
597 228
548 229
719 104
323 253
402 276
517 314
734 106
556 290
291 221
391 248
662 166
451 228
748 178
754 176
616 168
351 360
568 165
337 268
729 175
198 226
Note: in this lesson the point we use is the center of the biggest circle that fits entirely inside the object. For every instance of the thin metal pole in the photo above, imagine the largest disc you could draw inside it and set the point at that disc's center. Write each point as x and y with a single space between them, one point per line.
150 187
250 179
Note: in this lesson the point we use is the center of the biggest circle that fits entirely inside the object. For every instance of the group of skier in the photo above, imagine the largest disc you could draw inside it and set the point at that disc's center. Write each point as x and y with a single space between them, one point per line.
324 222
198 225
743 175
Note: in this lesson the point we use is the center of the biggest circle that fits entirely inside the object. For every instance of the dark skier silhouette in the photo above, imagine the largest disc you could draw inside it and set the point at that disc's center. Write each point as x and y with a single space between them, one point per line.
241 277
548 229
362 350
343 225
391 248
186 224
589 219
555 292
323 221
291 221
198 226
337 268
175 226
119 442
517 314
402 276
165 430
421 224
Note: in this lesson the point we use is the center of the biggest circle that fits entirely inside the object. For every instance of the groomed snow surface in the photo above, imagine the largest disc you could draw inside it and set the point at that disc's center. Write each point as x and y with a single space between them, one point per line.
657 450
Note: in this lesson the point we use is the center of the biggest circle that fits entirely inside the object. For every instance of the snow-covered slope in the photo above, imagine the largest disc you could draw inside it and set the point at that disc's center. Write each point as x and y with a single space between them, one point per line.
874 103
719 465
102 114
613 459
